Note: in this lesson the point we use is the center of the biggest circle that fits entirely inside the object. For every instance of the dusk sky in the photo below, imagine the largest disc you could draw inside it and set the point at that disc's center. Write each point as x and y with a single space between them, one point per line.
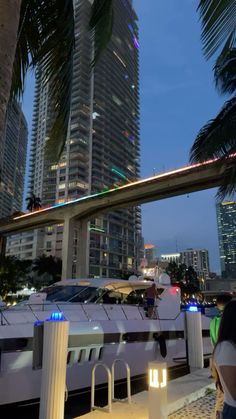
177 96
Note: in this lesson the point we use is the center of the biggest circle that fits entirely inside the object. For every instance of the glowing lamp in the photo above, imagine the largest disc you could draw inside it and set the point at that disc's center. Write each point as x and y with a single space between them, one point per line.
157 392
157 376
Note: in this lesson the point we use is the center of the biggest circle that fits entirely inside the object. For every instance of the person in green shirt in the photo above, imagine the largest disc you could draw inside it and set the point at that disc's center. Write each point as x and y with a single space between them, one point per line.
221 302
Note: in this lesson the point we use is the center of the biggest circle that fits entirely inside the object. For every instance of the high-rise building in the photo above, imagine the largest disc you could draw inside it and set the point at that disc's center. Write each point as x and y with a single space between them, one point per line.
103 146
149 252
170 257
226 222
14 160
198 259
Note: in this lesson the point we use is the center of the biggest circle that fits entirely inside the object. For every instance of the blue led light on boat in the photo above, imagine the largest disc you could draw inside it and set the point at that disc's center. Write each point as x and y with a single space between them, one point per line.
192 308
56 316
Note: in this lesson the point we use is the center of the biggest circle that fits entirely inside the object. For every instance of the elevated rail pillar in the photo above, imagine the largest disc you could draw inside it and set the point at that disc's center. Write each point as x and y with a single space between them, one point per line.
75 247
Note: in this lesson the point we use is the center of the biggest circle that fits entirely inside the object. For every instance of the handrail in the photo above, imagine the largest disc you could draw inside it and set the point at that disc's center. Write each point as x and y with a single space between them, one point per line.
127 376
31 308
93 407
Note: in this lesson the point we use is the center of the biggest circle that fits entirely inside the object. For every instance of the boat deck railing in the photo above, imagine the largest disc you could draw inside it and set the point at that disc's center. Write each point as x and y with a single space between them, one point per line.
29 313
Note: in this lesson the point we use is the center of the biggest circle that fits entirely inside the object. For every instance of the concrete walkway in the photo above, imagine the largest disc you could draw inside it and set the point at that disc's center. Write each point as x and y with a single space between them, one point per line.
182 393
203 408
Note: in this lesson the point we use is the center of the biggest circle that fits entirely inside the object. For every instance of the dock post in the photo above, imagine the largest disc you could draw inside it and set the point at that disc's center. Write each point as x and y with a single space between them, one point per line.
53 382
194 340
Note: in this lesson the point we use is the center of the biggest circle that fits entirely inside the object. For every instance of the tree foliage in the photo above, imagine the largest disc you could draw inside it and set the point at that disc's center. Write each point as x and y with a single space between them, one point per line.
46 39
217 138
183 276
13 274
218 25
48 266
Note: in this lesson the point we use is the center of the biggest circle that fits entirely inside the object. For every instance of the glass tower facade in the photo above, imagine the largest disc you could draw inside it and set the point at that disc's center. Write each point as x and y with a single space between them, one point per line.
14 160
226 222
103 145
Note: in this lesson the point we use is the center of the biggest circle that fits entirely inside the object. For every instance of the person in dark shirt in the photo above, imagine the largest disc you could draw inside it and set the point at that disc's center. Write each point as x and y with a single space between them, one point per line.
151 294
221 302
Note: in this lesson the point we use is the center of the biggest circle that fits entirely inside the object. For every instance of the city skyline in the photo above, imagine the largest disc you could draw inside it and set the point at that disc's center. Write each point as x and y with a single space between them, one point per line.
102 148
226 222
14 160
177 98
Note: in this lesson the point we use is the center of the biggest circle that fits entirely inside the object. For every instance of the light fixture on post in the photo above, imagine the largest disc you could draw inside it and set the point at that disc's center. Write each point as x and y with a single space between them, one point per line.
53 380
157 391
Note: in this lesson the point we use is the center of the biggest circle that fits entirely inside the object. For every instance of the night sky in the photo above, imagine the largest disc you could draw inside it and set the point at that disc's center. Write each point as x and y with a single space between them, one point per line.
177 96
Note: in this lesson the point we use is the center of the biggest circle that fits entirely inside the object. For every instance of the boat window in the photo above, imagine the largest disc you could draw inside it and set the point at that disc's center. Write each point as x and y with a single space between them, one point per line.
160 290
136 297
63 293
87 295
111 297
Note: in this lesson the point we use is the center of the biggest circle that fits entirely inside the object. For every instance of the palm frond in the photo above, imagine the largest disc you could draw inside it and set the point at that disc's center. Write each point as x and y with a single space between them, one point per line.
225 72
101 23
27 42
228 185
56 58
217 138
218 25
46 38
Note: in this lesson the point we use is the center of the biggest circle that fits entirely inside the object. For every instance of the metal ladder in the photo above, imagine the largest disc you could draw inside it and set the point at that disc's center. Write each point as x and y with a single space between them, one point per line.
111 384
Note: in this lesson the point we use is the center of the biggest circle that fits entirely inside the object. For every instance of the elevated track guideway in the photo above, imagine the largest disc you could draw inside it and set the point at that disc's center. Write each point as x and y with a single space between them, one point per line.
165 185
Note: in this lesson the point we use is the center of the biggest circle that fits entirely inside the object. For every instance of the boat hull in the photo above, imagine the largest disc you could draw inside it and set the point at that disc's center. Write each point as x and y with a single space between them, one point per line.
134 341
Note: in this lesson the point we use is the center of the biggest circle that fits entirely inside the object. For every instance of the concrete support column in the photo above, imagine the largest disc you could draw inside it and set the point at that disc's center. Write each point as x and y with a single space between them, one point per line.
3 242
82 265
67 248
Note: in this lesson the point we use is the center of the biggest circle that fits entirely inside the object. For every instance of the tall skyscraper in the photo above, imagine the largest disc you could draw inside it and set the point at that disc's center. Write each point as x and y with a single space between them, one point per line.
14 160
149 252
102 149
226 222
198 259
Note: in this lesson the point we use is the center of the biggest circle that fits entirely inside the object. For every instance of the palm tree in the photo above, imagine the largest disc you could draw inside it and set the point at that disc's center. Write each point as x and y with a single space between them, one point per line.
217 138
218 25
34 202
41 32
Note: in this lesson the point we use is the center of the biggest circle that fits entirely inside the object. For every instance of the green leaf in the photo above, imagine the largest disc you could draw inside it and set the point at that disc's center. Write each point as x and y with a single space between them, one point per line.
101 23
225 72
217 138
218 25
46 39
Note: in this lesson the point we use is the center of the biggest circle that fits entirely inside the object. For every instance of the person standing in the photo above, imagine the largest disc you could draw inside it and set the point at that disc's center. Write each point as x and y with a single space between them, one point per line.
221 302
151 294
224 357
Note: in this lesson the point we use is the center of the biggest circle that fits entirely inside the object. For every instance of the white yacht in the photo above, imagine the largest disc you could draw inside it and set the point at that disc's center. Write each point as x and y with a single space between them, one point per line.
108 320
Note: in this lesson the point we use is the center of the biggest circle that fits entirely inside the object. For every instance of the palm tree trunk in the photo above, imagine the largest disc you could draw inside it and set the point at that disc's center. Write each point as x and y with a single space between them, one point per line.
9 22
